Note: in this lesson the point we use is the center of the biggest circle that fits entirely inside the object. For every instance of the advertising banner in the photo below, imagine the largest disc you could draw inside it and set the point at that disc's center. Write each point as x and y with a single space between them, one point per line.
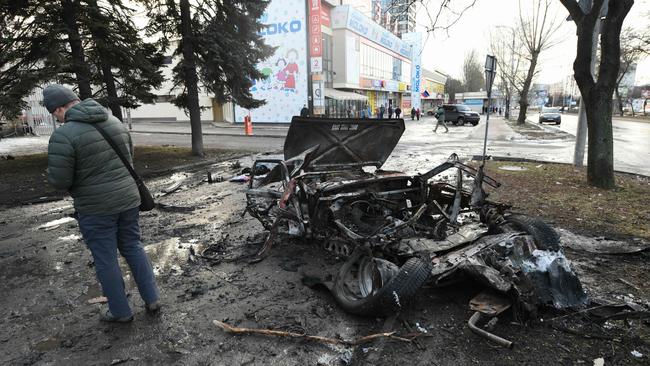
415 42
347 17
315 33
325 15
285 84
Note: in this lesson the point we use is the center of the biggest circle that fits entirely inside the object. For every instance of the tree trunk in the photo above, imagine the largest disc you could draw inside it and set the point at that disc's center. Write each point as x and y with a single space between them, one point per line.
99 38
507 112
191 78
600 158
81 69
523 96
111 90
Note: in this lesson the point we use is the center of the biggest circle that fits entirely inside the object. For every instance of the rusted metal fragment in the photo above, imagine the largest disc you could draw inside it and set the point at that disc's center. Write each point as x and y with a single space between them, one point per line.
489 303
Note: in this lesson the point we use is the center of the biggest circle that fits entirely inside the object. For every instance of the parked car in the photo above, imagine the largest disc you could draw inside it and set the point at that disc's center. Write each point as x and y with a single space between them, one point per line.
459 114
550 114
399 231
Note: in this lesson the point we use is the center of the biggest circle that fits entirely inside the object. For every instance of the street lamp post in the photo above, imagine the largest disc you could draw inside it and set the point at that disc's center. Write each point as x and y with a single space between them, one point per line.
490 73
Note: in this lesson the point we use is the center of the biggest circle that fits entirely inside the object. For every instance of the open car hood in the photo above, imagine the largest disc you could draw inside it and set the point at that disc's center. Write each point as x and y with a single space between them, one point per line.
343 142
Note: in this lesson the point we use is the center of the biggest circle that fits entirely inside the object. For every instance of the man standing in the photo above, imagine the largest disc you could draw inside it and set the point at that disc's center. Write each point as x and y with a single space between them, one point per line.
390 111
398 112
417 113
440 116
106 197
304 112
412 113
382 110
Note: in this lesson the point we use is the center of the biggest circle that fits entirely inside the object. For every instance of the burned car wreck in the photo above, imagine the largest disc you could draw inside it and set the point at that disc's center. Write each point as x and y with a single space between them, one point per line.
399 231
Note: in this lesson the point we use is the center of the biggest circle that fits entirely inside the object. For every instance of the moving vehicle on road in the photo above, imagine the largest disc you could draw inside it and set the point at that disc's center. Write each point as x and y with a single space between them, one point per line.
458 114
398 231
550 114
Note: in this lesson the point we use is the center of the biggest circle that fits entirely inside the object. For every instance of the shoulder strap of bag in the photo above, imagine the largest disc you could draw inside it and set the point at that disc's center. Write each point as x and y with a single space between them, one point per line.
119 153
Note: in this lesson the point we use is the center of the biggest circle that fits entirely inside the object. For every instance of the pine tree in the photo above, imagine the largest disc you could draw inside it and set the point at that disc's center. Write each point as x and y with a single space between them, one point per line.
218 47
90 43
26 53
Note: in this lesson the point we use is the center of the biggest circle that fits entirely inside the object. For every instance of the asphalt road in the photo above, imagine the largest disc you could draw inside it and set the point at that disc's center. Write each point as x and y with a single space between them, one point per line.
631 138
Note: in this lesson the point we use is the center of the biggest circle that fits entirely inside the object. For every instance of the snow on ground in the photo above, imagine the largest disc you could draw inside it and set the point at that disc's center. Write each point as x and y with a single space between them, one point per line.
23 145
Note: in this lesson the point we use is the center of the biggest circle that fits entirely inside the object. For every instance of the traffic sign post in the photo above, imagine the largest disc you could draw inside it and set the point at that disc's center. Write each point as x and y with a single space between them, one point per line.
490 73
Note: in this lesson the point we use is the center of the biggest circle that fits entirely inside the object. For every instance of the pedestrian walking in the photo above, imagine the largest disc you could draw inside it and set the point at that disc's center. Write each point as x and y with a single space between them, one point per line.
398 112
348 112
417 113
382 110
440 116
106 197
304 112
412 113
390 111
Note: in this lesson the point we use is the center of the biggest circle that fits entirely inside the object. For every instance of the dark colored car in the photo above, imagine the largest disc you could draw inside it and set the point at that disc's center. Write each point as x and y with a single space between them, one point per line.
550 114
398 231
459 114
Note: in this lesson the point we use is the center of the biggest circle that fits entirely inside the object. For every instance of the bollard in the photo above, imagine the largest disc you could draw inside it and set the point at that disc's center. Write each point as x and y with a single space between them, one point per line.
248 126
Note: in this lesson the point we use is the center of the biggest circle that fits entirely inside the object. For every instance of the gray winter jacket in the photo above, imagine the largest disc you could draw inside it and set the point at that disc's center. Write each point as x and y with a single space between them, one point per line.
81 162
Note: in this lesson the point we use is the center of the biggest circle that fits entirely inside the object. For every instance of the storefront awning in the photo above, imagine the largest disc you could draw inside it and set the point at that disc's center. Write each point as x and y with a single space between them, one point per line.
343 95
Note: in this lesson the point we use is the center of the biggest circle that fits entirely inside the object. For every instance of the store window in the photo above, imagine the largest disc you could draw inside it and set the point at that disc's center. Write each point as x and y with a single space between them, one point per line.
328 70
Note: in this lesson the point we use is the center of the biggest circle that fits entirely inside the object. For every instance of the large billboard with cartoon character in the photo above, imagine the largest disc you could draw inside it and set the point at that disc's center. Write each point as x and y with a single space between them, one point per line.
285 84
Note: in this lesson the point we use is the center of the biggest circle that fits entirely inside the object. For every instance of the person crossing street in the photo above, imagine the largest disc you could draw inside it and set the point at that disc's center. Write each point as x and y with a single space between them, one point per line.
440 116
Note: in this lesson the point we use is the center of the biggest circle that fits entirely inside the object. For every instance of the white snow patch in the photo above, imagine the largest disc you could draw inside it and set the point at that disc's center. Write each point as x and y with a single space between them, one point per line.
71 237
541 260
637 354
56 222
599 362
420 328
396 299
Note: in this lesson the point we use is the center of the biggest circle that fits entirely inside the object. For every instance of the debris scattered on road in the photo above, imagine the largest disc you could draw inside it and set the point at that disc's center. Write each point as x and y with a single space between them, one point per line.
474 328
98 300
278 333
243 178
214 179
55 223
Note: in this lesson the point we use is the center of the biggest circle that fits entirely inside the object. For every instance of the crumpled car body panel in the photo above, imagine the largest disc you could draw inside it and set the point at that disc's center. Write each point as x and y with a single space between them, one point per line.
323 194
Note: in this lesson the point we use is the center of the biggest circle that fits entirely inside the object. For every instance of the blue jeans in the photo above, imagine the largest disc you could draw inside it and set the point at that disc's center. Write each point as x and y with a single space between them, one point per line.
105 235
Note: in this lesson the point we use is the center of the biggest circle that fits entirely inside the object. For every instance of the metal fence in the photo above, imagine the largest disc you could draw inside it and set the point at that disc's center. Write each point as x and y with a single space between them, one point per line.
37 119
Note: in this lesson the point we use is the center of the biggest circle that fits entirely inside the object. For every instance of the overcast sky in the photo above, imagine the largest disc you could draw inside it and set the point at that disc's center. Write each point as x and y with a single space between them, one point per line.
446 52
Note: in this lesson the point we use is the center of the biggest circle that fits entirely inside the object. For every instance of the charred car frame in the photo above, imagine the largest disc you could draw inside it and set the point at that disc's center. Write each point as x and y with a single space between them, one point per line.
399 231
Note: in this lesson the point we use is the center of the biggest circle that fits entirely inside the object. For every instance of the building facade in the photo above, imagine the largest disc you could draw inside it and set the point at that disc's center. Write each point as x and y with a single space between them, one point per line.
369 60
433 85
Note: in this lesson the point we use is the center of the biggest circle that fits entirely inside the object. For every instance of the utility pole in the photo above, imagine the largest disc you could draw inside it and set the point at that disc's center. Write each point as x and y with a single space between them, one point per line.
581 133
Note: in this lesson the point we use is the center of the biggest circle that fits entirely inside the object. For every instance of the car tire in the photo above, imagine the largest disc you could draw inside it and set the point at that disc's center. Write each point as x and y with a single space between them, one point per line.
546 238
391 297
429 113
474 123
461 121
557 123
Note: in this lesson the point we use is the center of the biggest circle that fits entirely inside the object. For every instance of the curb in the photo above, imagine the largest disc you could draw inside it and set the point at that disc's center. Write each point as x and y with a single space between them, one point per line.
536 161
207 134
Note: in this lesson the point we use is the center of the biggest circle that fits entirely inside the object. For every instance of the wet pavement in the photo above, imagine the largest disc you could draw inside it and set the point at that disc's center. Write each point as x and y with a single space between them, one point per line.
200 245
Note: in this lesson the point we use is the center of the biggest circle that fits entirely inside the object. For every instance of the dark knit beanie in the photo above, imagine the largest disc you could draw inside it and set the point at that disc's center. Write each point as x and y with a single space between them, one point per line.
55 96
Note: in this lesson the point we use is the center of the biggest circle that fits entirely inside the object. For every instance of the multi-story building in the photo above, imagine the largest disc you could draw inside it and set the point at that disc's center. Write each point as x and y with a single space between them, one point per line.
403 14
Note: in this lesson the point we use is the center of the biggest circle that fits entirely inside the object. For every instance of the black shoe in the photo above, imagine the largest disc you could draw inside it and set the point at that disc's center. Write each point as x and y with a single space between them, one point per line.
108 317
